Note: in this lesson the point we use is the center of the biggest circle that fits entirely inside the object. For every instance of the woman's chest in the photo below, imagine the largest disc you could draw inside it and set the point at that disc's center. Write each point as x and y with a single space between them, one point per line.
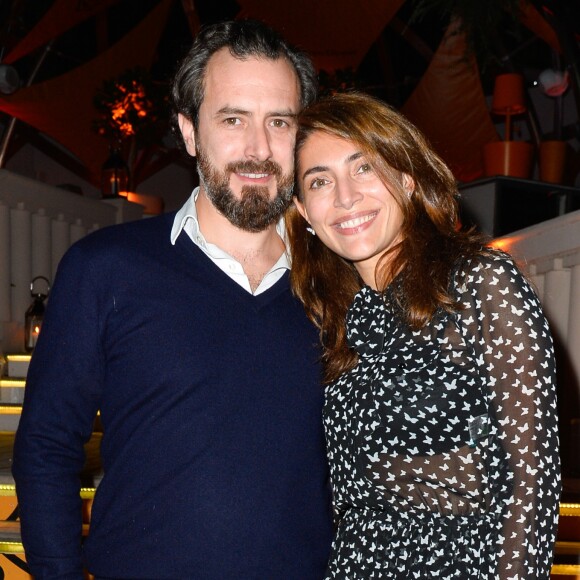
422 394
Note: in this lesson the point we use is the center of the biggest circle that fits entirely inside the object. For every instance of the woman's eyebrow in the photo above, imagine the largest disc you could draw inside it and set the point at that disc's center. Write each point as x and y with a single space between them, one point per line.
317 168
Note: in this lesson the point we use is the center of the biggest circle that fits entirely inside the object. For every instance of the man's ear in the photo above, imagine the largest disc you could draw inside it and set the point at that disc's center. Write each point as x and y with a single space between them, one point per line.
187 132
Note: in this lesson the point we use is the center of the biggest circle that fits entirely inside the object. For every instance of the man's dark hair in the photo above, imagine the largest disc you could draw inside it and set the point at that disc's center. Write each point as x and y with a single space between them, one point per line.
244 39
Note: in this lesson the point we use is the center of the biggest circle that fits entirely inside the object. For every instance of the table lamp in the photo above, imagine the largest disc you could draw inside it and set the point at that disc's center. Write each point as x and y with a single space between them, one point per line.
507 157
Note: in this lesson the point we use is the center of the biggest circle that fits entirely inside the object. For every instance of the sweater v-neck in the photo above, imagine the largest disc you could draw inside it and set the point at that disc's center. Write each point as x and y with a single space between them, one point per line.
218 277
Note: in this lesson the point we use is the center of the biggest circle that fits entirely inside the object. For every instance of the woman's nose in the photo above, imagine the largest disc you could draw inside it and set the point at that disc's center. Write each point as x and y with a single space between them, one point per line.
347 194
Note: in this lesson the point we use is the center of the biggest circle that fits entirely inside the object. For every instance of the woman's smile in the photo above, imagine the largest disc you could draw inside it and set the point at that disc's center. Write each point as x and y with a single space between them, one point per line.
346 203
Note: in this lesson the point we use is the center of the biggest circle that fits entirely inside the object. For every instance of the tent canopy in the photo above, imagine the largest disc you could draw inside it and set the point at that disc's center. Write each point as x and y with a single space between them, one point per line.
447 103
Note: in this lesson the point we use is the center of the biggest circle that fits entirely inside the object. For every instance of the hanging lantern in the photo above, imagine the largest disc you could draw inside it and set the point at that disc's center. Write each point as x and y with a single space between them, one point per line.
114 175
34 315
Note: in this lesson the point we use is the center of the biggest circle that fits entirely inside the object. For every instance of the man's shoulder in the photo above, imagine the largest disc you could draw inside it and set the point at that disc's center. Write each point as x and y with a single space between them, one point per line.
140 233
119 246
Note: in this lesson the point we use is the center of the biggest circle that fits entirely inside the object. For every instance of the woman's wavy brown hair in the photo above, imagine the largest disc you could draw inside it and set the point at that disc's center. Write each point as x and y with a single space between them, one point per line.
432 241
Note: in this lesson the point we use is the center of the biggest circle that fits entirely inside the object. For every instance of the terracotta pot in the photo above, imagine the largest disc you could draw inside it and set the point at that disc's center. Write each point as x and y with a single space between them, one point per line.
552 161
513 158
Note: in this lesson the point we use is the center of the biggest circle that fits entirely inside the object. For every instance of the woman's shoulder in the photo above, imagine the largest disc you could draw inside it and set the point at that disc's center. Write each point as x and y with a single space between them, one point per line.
489 268
487 259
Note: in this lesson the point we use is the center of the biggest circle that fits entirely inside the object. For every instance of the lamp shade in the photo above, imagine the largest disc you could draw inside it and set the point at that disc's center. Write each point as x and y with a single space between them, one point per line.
508 95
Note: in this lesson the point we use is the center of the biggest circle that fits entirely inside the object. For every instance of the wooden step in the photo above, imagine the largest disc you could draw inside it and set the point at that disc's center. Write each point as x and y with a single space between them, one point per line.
565 572
567 551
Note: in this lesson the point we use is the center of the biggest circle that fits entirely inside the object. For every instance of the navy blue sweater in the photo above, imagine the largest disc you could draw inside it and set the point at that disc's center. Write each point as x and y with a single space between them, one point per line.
210 401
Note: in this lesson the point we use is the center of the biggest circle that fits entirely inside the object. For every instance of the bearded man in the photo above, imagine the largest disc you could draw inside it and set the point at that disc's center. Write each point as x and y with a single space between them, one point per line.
183 333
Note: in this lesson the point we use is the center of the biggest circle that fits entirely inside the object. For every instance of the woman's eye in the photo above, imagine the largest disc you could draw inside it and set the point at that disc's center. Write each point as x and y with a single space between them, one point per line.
364 168
318 182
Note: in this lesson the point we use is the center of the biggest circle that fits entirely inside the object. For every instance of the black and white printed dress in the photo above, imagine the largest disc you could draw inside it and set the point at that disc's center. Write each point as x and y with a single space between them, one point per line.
443 442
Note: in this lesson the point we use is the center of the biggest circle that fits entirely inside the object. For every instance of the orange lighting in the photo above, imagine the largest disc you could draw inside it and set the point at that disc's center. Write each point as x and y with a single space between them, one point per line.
133 100
152 204
501 245
505 243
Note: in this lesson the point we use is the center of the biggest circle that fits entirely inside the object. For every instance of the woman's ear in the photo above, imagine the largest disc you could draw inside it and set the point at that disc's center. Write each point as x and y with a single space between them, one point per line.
187 132
301 209
408 184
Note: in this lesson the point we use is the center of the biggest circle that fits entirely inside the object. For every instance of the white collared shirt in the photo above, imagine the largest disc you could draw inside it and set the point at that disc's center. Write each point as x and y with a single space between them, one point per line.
186 219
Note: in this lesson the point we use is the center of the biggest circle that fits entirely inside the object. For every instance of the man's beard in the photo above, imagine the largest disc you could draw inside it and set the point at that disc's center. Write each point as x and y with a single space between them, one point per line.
254 211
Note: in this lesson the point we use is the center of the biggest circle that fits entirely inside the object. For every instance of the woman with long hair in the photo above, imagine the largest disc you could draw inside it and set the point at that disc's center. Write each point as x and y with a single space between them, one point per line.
440 411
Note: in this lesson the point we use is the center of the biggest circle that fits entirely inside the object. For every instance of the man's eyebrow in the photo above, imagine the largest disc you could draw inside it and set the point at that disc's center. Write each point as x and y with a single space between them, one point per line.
285 113
319 168
232 111
236 111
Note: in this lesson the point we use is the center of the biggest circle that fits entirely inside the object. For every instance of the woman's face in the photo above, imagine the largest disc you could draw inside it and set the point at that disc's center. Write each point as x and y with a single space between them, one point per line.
345 202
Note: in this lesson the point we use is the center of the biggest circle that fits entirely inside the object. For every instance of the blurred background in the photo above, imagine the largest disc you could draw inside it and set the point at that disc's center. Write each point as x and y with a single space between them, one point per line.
84 131
81 79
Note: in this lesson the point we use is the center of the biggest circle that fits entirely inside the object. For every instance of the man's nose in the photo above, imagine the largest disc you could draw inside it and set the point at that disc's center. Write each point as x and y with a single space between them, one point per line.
347 194
258 144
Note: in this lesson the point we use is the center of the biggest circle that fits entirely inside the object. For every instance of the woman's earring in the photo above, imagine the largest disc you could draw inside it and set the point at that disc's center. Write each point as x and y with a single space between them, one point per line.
309 229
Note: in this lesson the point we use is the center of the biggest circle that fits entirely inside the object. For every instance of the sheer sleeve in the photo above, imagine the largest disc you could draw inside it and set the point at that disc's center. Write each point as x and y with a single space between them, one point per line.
503 321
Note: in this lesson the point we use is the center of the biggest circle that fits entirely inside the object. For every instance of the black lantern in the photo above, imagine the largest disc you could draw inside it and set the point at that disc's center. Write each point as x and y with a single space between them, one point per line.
114 175
34 315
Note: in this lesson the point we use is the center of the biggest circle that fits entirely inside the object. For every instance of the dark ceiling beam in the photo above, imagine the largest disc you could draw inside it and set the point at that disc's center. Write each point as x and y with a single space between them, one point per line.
192 16
102 31
11 17
28 134
386 64
409 35
393 86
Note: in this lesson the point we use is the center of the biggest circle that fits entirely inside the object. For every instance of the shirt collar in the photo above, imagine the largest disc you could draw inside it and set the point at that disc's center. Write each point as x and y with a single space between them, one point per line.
186 217
186 213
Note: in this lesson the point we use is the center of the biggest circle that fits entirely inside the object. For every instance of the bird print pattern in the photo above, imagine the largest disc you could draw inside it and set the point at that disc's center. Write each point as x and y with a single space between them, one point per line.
443 441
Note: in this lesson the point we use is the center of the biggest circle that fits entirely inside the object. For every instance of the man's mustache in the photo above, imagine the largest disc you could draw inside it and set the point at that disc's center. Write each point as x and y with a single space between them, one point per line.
267 166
